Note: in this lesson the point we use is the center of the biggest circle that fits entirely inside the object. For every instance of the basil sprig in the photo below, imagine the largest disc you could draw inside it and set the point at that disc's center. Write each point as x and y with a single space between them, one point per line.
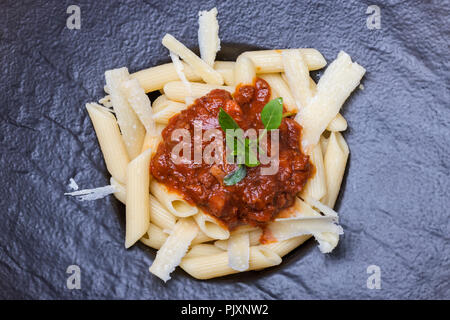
242 147
272 113
271 117
234 177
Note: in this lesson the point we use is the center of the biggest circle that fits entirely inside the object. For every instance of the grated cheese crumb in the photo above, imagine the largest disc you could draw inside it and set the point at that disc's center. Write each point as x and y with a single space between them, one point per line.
73 185
92 194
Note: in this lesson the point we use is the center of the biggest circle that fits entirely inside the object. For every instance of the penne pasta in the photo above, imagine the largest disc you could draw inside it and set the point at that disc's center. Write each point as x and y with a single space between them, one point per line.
201 238
138 198
174 248
110 141
159 128
239 251
226 69
244 71
186 211
173 202
326 210
154 237
316 187
120 190
160 103
337 124
155 78
323 144
297 74
175 90
335 161
133 131
245 228
211 226
159 216
169 111
151 141
254 236
282 248
270 61
207 267
205 71
221 244
329 97
281 89
200 250
300 209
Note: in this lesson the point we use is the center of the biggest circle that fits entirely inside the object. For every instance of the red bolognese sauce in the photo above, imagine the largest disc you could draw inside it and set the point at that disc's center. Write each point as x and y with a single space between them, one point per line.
257 198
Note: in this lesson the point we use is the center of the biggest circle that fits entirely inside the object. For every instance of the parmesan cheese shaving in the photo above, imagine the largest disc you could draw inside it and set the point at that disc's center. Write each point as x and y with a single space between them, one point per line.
283 230
174 249
133 131
179 68
239 251
140 103
208 35
334 87
92 194
302 219
73 185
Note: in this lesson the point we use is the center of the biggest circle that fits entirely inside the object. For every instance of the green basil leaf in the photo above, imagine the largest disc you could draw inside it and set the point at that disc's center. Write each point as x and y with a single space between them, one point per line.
272 114
251 159
235 176
226 121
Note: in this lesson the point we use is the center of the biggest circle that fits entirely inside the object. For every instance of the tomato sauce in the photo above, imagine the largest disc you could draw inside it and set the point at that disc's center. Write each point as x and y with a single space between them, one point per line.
256 199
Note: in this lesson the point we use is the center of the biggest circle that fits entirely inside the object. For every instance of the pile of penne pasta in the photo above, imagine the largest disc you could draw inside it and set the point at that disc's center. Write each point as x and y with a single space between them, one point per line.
128 128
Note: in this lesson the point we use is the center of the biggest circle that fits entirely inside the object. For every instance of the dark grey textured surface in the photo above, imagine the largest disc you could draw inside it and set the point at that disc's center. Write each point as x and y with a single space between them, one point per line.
394 208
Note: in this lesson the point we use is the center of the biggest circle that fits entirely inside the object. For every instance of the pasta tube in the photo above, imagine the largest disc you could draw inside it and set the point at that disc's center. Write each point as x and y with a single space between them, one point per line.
270 61
110 140
176 90
280 89
316 187
211 226
138 198
244 71
173 202
207 267
154 237
200 250
335 162
155 78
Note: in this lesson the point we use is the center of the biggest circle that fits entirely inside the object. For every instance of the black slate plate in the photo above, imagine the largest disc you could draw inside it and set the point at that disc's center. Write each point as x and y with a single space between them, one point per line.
394 207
